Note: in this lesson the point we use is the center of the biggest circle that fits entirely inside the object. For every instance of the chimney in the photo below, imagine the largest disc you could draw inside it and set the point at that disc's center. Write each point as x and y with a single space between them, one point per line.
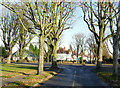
64 48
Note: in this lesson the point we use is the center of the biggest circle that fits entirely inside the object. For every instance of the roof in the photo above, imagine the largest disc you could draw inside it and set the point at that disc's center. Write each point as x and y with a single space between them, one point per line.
25 54
63 50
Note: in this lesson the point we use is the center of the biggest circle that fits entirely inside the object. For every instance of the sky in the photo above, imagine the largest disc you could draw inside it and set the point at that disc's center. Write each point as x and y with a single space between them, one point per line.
78 26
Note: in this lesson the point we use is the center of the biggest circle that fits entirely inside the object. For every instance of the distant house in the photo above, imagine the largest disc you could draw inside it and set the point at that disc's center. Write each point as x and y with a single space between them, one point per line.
86 57
63 54
68 55
26 54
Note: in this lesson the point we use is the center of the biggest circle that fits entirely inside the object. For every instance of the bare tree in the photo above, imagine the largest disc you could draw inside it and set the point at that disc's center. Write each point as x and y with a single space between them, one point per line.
112 15
60 42
49 46
107 42
40 15
10 32
92 46
96 18
79 44
49 50
61 17
46 18
24 39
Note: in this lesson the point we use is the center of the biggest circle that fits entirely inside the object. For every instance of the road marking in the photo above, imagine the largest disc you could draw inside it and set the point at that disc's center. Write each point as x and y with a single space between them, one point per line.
73 83
74 74
75 71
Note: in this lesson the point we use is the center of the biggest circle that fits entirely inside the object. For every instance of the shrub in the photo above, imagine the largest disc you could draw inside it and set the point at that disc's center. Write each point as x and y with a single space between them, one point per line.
80 59
27 60
108 61
19 61
4 52
3 60
119 61
24 60
13 61
37 59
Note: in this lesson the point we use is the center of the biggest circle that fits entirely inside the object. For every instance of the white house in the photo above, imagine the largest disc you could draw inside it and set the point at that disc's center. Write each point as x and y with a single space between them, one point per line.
67 55
63 54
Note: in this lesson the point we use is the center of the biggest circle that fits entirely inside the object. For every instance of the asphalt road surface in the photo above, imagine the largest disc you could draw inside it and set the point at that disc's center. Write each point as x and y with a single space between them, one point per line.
75 76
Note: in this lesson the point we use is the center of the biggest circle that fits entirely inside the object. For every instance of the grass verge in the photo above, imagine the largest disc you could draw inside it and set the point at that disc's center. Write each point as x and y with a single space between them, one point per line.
105 73
12 70
30 79
33 79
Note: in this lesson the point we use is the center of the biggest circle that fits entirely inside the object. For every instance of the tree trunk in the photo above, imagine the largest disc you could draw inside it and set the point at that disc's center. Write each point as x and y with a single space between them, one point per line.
20 53
48 55
9 57
77 50
82 58
54 56
115 55
116 40
90 57
41 56
100 54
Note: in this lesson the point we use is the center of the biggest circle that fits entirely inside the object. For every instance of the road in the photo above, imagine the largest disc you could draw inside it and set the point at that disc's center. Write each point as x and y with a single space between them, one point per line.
75 76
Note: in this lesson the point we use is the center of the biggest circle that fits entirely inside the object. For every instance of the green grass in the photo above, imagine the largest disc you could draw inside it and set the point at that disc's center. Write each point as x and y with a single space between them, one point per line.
106 75
12 70
5 76
13 67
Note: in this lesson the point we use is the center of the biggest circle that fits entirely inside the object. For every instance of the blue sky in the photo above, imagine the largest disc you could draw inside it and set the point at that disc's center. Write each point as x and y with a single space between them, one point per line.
79 26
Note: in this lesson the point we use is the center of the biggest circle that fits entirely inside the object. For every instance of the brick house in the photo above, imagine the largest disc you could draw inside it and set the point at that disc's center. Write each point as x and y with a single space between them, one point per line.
63 54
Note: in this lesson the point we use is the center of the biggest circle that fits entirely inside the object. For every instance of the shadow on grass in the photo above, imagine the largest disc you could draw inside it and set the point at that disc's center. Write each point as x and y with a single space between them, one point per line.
17 69
16 72
15 85
26 67
57 70
105 73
